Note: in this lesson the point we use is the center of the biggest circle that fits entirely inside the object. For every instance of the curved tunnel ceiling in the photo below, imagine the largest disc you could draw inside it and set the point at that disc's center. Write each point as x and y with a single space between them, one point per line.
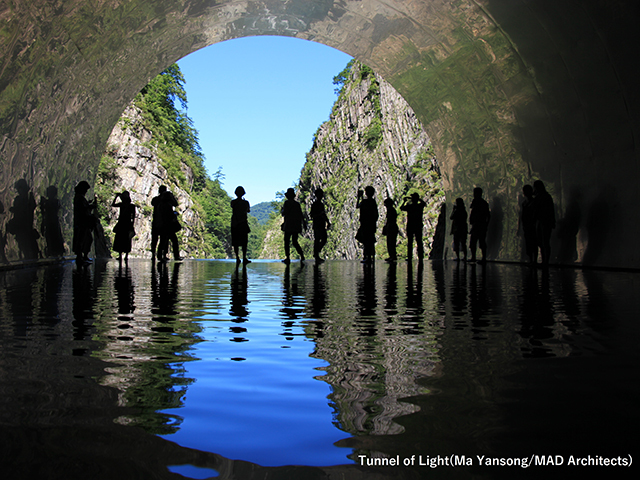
510 91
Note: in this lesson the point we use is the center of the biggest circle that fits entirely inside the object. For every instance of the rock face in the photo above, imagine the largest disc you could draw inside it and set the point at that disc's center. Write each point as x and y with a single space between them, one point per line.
372 138
137 168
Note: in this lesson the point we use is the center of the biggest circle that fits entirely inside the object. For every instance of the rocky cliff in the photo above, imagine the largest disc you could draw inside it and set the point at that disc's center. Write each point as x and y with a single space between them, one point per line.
372 138
132 162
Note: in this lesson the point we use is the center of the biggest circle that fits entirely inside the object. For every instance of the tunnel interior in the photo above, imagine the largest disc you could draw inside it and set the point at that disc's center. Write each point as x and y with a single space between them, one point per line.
510 92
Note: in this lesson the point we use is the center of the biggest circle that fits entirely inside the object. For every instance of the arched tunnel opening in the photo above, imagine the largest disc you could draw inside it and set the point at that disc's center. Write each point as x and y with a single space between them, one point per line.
118 371
371 137
507 91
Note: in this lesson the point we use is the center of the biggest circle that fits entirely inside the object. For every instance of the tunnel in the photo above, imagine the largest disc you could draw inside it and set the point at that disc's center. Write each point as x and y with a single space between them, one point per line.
509 91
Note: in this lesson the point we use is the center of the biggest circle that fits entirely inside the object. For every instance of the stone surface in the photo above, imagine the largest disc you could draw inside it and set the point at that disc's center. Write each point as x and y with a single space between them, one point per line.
343 160
509 92
140 172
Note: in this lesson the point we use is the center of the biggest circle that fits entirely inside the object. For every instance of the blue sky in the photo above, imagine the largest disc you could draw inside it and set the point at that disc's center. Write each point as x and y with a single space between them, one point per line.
256 103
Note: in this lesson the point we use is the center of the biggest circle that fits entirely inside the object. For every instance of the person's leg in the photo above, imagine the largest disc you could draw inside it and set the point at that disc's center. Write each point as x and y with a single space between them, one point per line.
409 245
287 247
419 244
473 241
154 242
296 245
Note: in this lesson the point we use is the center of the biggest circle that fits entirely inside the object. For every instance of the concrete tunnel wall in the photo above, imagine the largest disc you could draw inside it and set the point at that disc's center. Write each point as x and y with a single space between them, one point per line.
510 91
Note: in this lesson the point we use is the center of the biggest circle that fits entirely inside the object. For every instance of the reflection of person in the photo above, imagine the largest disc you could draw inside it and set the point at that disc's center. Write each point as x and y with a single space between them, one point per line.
459 228
21 224
83 223
294 223
479 221
527 221
240 225
414 206
368 222
50 229
124 227
390 229
545 219
320 224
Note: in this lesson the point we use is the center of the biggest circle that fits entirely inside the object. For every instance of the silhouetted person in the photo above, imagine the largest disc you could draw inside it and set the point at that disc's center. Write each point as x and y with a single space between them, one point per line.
155 221
459 228
124 228
479 221
83 223
21 224
294 223
414 206
240 225
545 219
368 222
320 224
169 225
390 229
50 229
527 221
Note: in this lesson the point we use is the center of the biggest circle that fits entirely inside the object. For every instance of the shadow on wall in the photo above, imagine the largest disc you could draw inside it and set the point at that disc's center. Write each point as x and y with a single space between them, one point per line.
31 229
568 228
598 225
438 250
495 229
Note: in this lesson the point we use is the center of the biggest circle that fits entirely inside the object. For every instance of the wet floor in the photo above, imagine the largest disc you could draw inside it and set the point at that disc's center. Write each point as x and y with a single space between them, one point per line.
199 369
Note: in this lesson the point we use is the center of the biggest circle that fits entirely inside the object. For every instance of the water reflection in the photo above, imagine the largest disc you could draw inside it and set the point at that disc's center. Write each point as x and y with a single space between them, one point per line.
275 364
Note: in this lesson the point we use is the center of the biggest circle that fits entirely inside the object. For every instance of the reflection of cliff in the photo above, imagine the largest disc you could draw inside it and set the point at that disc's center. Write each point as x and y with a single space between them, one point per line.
146 343
378 343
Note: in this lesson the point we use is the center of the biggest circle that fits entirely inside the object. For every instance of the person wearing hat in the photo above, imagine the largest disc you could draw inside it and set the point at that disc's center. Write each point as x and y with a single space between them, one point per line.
240 225
414 206
124 229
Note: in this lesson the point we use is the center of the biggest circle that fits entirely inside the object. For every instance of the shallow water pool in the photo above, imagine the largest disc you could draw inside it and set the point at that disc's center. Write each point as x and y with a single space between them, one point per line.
192 366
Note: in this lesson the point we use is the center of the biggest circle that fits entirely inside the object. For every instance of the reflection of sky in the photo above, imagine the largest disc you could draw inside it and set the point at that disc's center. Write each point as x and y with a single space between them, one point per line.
265 405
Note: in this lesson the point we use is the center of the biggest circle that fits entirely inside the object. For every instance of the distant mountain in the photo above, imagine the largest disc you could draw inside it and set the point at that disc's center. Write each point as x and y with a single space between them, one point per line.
262 211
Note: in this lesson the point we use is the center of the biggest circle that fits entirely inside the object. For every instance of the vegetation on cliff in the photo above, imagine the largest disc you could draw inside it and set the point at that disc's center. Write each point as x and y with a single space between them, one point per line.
156 129
372 138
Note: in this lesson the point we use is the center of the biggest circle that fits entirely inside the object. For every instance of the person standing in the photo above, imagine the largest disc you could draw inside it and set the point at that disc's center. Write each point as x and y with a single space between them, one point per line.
414 206
124 228
155 221
83 223
169 225
320 224
545 216
368 222
390 229
479 221
240 225
293 225
459 228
